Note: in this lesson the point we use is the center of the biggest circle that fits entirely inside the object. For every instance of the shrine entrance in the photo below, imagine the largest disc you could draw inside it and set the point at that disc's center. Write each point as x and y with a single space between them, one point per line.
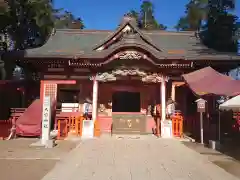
126 113
124 101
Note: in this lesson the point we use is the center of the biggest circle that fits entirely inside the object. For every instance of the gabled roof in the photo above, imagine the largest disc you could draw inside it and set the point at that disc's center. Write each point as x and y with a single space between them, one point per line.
132 26
69 43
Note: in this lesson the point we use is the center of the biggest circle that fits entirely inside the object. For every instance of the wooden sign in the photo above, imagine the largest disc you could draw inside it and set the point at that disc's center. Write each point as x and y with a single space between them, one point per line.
201 108
46 119
201 105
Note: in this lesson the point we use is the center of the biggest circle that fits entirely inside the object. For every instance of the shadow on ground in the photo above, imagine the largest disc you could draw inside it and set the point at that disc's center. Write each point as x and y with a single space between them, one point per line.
20 161
227 158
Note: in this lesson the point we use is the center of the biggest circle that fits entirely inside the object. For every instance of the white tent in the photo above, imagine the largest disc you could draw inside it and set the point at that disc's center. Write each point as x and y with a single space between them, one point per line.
232 104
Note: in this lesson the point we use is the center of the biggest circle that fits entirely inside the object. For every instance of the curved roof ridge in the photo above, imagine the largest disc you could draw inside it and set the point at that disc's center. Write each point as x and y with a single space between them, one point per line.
107 52
112 35
120 28
84 31
169 33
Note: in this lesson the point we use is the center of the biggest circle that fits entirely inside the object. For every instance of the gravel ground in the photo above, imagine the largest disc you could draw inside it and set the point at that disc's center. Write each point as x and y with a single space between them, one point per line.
229 163
20 161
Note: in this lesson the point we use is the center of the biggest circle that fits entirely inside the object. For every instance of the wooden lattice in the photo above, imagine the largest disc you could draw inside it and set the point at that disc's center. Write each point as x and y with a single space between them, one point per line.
50 90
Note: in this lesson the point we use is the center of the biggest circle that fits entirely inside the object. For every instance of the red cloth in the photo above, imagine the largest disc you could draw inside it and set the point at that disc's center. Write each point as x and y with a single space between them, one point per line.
208 81
29 124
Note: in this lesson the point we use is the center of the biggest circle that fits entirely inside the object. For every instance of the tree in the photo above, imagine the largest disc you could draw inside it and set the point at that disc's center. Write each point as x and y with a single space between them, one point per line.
77 24
25 24
30 22
145 18
220 28
148 20
3 46
196 10
182 25
66 20
2 69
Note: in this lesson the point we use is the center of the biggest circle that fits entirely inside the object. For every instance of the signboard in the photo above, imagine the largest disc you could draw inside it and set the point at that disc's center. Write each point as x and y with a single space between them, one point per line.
201 108
70 107
201 105
46 119
88 129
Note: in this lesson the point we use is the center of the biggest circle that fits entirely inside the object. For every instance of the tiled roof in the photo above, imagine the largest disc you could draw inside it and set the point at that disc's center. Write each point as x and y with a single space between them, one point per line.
163 44
68 43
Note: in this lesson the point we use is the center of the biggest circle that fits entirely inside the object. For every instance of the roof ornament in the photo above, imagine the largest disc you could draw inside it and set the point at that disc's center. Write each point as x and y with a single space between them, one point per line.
128 18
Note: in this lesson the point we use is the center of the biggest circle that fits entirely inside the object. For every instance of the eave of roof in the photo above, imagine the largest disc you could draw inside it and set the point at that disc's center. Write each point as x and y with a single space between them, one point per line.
79 44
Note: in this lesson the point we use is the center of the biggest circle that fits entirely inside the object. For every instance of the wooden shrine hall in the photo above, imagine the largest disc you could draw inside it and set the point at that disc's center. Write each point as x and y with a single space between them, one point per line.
123 72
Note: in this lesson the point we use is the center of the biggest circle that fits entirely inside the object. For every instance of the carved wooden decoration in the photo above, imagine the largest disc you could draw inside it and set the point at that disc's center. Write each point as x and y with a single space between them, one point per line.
155 78
146 77
130 55
104 77
129 72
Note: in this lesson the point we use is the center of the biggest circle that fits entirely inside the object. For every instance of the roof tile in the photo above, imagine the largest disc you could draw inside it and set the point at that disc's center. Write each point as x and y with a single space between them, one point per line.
71 43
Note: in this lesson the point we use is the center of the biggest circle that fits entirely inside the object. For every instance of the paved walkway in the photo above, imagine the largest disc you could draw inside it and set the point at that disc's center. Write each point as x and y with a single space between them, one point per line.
135 159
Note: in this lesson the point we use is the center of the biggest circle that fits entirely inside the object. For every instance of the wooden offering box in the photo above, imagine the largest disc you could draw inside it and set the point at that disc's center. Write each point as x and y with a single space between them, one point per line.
128 123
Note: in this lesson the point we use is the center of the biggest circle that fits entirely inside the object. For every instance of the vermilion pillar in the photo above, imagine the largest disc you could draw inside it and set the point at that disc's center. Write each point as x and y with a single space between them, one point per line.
173 94
163 99
49 88
163 104
95 99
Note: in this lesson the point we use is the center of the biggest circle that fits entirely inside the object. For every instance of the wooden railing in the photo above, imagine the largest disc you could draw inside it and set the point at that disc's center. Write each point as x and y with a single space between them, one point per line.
62 127
72 125
5 128
68 123
7 125
177 125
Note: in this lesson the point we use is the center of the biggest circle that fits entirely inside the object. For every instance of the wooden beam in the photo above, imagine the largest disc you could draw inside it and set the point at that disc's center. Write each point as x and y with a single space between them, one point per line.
177 84
60 81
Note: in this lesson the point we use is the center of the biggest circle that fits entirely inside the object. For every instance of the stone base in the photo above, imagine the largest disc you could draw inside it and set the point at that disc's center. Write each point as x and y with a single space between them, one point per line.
37 144
214 145
166 129
48 144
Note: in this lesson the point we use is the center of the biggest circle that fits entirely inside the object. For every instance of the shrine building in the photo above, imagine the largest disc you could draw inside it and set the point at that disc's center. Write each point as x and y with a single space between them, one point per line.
124 72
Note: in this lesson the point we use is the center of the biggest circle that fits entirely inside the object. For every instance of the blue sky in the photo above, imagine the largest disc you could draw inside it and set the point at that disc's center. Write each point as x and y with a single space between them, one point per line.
106 14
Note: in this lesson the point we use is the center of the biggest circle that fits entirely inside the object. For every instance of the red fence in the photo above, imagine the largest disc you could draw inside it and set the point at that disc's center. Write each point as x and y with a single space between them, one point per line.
5 128
6 125
72 123
177 125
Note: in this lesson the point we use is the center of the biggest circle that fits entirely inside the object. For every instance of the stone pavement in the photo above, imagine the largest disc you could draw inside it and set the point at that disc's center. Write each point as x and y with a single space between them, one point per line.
146 158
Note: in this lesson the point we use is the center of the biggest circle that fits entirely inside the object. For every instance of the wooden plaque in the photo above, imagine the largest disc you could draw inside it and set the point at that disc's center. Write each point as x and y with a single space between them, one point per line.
128 123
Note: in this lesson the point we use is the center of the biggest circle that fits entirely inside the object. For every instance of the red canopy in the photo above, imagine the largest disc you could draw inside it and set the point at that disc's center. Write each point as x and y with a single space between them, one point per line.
208 81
